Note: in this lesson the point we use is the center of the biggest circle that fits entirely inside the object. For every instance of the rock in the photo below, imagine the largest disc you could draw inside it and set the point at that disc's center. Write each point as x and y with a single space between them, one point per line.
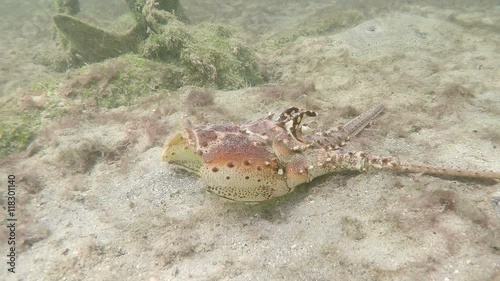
89 43
94 44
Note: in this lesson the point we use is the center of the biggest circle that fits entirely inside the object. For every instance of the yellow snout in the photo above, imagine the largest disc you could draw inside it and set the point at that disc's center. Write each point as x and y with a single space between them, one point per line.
178 152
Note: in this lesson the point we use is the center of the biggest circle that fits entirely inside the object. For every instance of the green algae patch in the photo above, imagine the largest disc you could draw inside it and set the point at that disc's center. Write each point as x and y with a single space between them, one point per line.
218 57
146 12
168 43
21 118
86 43
119 81
116 82
15 137
211 55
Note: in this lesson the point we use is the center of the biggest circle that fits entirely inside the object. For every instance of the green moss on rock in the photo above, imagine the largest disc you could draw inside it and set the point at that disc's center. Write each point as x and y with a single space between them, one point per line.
206 55
92 43
211 54
15 137
120 81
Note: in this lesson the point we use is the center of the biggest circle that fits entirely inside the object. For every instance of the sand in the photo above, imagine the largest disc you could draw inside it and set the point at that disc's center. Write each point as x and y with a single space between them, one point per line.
128 216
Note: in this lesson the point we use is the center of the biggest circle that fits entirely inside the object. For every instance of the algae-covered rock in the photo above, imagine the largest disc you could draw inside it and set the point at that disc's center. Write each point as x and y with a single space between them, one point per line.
95 44
218 57
88 43
207 54
14 137
211 54
143 10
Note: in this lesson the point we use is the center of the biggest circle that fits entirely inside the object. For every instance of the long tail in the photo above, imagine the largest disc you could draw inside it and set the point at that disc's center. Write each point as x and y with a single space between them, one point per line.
431 170
362 161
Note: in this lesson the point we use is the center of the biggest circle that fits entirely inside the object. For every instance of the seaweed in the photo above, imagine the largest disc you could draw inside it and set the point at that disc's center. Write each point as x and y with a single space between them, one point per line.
208 54
15 137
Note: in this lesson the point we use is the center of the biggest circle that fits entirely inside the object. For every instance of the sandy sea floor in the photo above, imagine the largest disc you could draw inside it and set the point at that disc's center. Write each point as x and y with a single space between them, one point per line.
131 217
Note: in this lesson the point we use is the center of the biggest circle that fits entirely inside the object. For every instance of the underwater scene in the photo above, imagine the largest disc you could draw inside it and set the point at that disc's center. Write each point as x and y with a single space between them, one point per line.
250 140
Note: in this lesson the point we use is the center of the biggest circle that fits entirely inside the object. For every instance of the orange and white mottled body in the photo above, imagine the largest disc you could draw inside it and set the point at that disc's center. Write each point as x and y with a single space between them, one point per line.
269 158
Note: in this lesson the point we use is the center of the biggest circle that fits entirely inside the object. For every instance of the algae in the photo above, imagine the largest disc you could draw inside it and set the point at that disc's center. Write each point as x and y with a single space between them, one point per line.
21 120
87 43
211 54
94 44
119 82
15 137
208 54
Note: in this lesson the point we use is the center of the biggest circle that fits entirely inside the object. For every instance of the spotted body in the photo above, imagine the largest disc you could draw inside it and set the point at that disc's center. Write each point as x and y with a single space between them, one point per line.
269 158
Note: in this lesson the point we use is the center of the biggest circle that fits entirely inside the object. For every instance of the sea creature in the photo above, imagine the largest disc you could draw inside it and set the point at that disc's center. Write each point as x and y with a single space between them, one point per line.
269 158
